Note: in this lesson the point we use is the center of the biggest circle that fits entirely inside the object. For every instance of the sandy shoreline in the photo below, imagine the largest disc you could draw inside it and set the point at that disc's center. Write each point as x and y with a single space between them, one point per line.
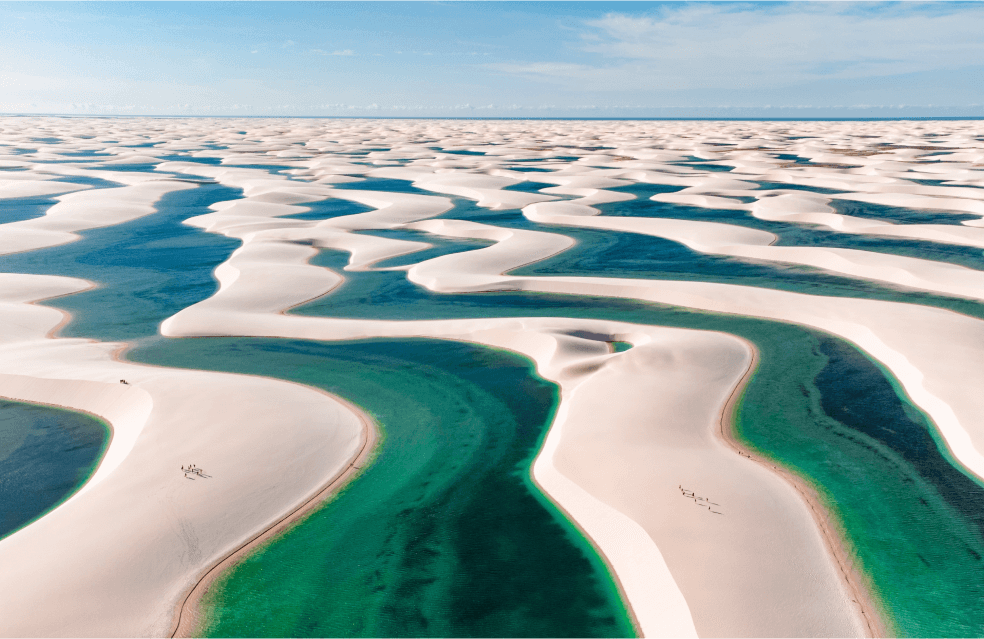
623 593
609 565
161 417
836 541
187 616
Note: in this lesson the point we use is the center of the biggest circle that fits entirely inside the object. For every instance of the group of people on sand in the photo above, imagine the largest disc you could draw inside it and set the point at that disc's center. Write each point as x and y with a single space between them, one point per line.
194 470
700 501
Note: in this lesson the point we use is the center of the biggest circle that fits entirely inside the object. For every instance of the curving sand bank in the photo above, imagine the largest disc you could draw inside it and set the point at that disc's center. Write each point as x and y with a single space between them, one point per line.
116 558
637 431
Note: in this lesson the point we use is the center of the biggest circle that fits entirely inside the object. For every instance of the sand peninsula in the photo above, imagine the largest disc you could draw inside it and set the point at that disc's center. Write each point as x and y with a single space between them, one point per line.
126 553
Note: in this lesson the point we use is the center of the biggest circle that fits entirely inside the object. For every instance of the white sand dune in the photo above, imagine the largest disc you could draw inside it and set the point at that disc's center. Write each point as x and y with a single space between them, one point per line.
886 330
15 188
814 210
874 325
487 189
633 427
650 544
250 314
118 557
84 210
743 242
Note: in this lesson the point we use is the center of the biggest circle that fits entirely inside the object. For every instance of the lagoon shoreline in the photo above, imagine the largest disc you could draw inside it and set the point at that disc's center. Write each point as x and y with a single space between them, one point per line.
837 543
188 615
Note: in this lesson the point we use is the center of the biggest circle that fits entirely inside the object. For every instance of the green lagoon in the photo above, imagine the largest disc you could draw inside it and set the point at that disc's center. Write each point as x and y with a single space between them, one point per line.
443 534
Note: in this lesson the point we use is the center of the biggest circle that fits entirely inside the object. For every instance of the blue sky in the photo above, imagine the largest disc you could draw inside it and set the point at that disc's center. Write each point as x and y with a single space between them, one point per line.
512 59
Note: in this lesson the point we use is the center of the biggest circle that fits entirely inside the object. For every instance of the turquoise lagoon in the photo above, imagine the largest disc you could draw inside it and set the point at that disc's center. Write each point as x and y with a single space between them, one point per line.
46 455
472 418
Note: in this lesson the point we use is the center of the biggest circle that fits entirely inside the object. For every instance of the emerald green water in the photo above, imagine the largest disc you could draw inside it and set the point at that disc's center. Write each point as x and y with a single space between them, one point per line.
442 535
912 515
815 405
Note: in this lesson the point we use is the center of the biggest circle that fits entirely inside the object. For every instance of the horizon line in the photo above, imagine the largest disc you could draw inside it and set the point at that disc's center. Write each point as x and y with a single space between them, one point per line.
538 118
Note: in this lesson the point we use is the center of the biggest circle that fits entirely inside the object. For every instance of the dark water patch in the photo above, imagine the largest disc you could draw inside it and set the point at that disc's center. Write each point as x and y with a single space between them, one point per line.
945 183
899 214
443 534
45 159
854 392
714 168
639 256
615 254
645 190
46 455
388 295
462 152
605 253
532 169
968 256
87 154
469 210
179 157
532 186
798 234
529 186
147 269
18 209
145 167
385 184
276 169
620 347
461 209
27 208
920 551
95 182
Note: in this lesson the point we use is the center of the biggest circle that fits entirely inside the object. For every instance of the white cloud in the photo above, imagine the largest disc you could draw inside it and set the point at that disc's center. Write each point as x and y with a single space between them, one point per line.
729 46
344 52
